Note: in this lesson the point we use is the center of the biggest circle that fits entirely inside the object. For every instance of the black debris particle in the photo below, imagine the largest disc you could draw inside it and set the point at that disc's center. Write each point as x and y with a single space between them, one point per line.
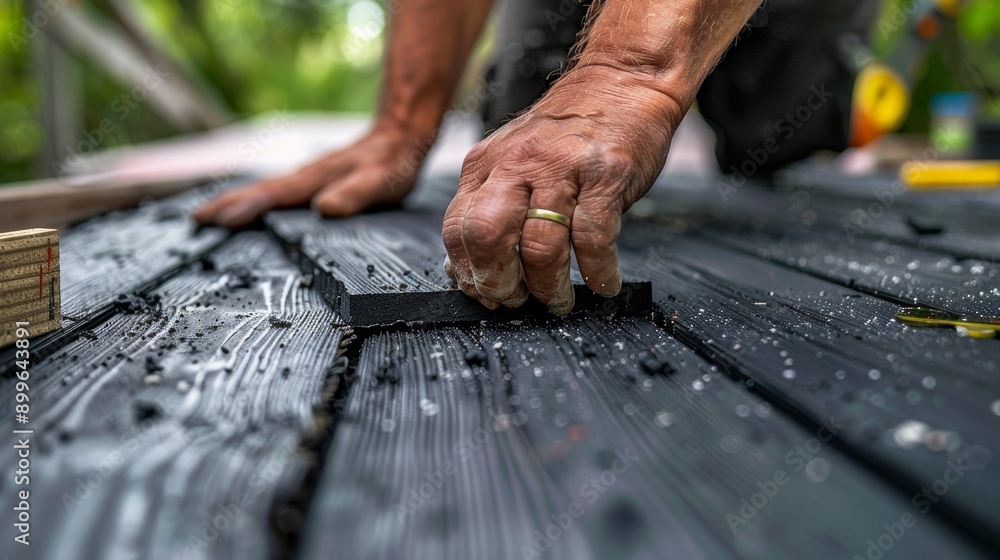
588 349
179 253
167 212
279 323
206 264
923 226
476 357
654 365
240 277
623 520
147 410
152 366
385 372
133 303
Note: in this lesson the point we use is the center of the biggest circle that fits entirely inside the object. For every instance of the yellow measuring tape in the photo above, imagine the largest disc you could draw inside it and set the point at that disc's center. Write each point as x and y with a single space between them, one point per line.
975 327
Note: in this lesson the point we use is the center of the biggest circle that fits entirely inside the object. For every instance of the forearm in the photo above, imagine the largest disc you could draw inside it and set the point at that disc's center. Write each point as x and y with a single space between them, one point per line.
668 45
429 44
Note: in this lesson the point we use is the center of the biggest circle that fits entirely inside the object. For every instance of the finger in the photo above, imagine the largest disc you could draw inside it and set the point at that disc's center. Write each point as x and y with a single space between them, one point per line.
545 248
353 195
596 225
243 205
491 231
234 209
456 264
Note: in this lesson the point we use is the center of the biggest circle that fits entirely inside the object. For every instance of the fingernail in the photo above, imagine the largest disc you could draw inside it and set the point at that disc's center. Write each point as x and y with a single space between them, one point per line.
561 311
613 289
518 299
488 303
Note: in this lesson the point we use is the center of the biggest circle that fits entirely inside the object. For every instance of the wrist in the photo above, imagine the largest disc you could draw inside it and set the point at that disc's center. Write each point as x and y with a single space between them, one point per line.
641 96
404 131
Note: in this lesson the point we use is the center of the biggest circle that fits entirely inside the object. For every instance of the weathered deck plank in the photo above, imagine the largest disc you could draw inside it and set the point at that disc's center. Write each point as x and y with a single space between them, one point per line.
168 431
909 400
472 442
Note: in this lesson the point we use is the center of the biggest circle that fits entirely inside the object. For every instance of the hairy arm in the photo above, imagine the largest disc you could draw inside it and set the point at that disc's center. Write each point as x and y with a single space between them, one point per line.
429 44
670 45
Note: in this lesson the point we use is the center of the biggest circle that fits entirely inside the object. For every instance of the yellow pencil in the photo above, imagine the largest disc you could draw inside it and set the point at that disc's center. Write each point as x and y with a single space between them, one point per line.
980 174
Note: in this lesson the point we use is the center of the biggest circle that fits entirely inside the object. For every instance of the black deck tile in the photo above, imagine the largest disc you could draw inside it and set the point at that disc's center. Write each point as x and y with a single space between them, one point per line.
385 268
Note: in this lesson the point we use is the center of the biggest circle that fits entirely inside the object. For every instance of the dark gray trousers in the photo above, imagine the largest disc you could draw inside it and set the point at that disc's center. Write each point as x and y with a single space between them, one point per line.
784 87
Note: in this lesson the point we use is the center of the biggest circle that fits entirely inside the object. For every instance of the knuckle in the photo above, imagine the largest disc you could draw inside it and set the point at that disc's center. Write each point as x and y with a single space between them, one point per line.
608 163
596 230
477 153
541 252
591 239
482 227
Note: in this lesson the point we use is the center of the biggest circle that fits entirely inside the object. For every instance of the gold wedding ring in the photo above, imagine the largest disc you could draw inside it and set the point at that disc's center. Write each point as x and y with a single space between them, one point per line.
548 215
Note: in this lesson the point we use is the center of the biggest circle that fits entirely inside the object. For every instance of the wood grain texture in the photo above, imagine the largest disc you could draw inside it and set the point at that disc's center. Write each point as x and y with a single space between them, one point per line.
385 268
63 202
169 430
462 443
909 400
956 222
126 251
879 267
29 283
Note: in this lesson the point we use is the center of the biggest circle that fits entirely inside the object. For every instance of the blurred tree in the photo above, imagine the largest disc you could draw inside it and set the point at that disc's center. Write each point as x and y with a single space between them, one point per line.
263 55
967 58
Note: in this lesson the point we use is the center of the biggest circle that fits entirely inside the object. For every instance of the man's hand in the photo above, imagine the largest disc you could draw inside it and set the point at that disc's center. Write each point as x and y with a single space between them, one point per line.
589 149
429 42
380 168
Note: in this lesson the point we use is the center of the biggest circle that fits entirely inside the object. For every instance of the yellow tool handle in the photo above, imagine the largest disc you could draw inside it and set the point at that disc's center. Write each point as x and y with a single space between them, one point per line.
983 174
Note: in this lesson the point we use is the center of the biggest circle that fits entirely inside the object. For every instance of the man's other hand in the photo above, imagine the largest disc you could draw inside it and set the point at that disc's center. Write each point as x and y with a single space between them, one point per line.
380 168
589 149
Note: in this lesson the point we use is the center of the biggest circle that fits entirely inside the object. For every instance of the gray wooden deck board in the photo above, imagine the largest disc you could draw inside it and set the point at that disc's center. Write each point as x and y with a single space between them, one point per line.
462 443
181 415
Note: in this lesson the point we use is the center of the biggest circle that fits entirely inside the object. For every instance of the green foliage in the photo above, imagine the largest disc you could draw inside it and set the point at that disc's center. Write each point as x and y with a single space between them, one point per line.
966 58
256 56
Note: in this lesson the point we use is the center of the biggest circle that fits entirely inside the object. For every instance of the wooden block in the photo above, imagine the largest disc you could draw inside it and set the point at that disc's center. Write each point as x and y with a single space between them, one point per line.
29 282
